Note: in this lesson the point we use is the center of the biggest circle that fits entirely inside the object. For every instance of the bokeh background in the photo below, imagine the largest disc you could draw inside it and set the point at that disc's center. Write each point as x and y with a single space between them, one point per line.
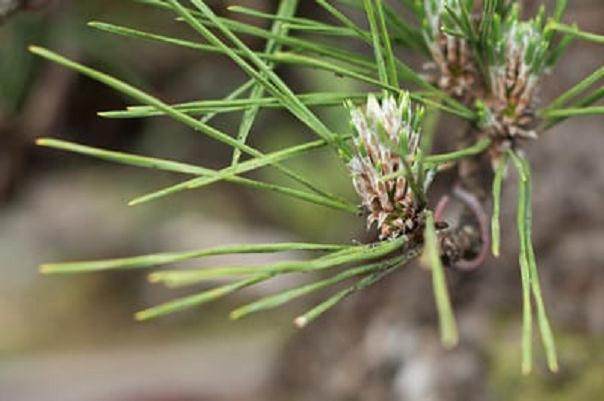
73 338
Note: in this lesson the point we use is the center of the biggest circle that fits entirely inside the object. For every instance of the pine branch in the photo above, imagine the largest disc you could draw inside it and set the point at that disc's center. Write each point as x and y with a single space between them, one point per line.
489 65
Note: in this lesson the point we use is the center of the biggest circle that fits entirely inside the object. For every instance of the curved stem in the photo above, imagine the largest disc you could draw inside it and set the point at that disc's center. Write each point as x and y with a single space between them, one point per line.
474 205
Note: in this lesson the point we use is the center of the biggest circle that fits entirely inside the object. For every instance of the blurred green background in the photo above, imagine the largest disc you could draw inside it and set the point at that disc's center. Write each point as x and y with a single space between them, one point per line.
73 337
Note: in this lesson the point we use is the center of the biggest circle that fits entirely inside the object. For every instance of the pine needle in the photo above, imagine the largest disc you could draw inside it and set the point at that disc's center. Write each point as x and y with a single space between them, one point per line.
525 275
157 259
191 301
431 259
495 227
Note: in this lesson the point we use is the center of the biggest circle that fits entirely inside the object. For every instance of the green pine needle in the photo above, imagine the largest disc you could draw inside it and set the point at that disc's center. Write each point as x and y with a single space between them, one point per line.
587 101
527 321
145 98
376 42
191 301
576 90
356 254
205 107
497 184
178 167
431 258
547 336
479 147
233 171
264 75
287 296
530 276
287 9
574 112
304 319
574 31
157 259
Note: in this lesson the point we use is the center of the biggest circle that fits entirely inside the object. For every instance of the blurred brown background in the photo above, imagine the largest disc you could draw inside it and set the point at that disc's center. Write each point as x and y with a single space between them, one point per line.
73 338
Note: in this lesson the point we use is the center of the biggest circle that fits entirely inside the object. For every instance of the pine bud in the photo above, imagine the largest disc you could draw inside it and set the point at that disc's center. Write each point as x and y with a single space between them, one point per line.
451 55
514 80
388 136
